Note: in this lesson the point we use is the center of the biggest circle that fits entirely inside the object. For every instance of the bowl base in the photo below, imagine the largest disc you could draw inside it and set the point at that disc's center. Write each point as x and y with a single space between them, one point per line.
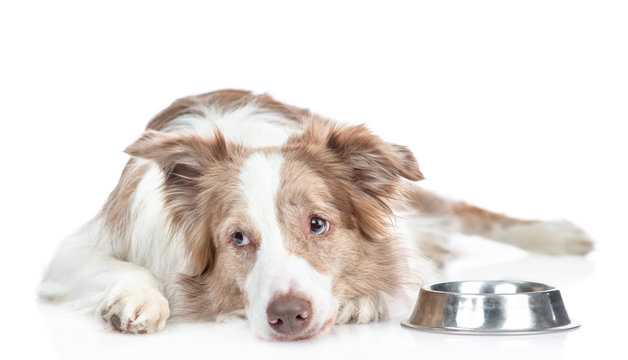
571 326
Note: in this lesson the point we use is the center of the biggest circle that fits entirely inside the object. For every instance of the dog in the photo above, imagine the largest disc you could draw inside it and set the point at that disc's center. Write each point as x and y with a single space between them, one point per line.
236 205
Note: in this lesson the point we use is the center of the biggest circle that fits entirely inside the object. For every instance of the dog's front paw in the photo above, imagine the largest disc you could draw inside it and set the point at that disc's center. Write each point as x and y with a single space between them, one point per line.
141 310
360 310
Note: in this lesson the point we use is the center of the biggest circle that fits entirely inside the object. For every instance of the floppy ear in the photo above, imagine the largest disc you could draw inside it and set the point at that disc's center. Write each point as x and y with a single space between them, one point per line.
367 169
183 159
376 165
180 156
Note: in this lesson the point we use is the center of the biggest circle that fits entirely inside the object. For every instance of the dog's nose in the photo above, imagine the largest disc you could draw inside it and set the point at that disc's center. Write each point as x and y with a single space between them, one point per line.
289 314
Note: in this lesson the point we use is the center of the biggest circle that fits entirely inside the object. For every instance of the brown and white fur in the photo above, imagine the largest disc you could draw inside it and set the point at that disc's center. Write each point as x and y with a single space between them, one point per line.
236 204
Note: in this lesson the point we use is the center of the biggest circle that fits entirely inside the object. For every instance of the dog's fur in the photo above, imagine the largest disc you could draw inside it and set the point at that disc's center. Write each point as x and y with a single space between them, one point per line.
230 162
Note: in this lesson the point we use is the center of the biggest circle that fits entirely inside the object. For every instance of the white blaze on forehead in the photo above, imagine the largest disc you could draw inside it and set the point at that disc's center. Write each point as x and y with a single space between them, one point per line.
276 271
259 181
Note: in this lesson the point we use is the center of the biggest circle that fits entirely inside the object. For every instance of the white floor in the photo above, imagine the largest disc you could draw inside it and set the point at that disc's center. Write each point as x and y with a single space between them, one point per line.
589 286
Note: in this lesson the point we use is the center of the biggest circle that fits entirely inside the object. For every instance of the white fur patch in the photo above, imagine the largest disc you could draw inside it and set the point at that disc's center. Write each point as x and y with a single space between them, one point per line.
152 244
276 271
247 125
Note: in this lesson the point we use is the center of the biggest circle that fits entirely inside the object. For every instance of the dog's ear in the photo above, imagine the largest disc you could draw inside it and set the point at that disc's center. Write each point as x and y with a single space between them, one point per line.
376 165
367 169
182 156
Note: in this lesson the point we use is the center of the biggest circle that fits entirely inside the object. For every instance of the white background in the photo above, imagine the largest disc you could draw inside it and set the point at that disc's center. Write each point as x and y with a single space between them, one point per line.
519 107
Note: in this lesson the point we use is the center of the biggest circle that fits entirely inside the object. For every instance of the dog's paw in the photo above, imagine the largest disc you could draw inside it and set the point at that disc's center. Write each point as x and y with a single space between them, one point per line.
360 310
142 310
550 237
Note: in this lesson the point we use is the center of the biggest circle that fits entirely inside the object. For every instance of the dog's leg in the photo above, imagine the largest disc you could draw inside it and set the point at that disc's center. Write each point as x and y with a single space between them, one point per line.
83 273
549 237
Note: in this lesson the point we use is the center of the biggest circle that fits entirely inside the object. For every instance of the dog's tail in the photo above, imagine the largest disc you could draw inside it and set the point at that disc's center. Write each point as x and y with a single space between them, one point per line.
548 237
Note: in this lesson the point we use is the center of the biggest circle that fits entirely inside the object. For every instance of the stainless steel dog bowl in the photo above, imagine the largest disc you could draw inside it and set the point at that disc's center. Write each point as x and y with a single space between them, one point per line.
490 308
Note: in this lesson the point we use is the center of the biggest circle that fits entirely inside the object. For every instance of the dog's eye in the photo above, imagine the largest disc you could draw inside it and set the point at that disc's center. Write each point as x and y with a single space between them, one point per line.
318 226
240 240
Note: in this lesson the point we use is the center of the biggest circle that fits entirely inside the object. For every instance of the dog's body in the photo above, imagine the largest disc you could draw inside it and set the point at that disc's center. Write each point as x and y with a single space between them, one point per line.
235 204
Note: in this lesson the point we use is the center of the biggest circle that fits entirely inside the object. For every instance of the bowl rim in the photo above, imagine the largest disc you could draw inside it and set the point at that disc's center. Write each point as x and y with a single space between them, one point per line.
547 288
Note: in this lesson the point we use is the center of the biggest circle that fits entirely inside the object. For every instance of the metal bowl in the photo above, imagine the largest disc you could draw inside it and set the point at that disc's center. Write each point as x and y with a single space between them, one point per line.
490 308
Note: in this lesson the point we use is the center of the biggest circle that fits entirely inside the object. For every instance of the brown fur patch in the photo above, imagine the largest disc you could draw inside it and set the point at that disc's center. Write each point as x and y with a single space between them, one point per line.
477 221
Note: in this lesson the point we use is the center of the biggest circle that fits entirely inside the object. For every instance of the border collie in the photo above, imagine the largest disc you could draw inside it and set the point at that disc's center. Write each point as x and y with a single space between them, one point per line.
234 204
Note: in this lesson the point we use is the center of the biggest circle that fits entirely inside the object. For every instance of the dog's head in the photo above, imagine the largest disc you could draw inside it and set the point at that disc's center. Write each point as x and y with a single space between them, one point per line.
298 236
